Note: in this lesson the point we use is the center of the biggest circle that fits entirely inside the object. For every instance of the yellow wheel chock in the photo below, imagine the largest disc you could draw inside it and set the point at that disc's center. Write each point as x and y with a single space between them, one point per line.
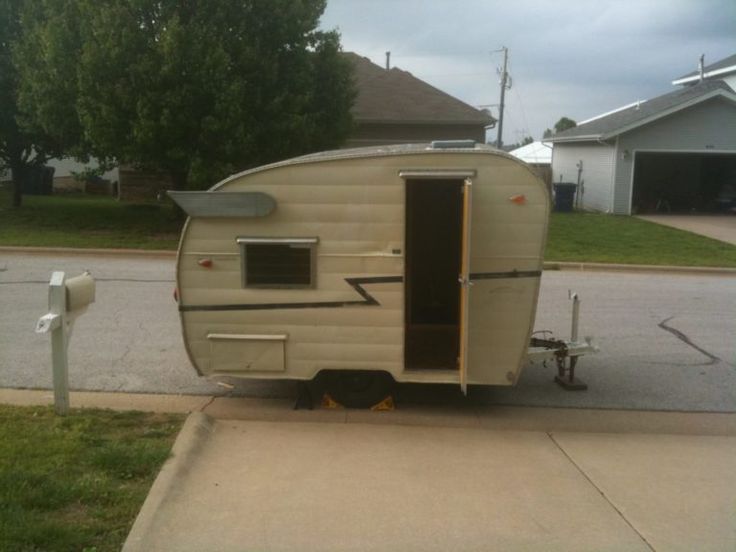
385 404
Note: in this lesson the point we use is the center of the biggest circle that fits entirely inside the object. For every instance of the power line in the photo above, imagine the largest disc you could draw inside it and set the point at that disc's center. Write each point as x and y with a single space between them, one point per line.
521 106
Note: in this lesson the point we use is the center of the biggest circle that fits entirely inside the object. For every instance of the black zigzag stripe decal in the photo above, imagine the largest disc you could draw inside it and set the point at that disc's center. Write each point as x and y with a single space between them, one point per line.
512 274
355 283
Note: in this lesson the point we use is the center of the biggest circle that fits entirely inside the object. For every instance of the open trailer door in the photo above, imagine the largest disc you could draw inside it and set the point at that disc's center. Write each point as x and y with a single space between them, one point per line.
464 279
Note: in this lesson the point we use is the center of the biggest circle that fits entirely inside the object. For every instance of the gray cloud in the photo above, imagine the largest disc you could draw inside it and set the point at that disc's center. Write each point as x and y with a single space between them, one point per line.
572 58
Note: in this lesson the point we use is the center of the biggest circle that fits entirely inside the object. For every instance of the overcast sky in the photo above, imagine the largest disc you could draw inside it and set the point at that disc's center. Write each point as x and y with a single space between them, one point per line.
567 58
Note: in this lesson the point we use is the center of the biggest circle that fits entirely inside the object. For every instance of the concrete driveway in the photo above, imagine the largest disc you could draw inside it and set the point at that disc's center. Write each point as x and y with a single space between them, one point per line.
718 227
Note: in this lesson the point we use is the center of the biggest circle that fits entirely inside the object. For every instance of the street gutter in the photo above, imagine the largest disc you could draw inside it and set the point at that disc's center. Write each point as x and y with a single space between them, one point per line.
166 253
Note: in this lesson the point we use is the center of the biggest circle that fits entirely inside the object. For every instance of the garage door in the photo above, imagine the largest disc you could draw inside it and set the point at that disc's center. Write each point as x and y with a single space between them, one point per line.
683 182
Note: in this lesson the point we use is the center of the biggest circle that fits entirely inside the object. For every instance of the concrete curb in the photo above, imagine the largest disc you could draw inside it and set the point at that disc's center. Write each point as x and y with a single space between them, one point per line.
604 267
84 251
189 443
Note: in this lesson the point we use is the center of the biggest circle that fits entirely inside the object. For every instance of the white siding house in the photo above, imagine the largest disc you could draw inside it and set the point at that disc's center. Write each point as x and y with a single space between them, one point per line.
595 164
675 152
724 69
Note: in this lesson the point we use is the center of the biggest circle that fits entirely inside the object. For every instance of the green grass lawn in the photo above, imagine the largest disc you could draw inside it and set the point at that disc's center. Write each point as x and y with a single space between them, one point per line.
588 237
76 220
103 222
77 482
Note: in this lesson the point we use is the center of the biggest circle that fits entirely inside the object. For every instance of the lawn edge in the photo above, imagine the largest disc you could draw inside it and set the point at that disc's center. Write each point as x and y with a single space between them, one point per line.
621 267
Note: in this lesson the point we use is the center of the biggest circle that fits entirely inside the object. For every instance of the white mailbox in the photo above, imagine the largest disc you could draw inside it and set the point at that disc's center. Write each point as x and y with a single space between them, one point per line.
80 292
67 300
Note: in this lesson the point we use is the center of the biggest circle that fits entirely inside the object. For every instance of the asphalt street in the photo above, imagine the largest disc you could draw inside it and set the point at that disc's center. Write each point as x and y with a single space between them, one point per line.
668 341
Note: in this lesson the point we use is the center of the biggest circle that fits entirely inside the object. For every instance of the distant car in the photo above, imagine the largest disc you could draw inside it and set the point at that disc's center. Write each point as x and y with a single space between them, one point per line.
726 199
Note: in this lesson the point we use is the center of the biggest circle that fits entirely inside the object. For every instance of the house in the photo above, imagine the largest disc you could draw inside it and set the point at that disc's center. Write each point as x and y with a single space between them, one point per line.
672 153
391 107
69 176
395 107
724 70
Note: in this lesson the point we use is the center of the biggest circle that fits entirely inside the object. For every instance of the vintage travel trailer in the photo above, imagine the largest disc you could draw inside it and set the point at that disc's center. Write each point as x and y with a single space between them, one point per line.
420 261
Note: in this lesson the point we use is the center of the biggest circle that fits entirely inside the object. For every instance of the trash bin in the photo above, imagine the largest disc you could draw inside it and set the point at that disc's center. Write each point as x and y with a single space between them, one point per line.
565 196
38 180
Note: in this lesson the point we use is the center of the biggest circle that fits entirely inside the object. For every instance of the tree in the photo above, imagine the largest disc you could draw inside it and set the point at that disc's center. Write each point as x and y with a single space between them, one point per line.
46 61
524 141
197 89
21 149
563 124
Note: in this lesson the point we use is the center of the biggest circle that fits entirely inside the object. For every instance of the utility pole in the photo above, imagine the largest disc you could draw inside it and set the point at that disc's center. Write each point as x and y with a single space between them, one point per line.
505 84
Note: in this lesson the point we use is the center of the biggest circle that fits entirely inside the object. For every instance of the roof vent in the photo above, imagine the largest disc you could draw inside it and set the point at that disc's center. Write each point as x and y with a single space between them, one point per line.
453 144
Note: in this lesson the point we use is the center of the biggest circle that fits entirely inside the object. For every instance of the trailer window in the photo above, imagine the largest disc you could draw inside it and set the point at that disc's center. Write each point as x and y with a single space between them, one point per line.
277 262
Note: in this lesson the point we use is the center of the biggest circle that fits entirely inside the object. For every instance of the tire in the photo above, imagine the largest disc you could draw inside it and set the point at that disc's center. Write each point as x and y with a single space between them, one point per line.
359 388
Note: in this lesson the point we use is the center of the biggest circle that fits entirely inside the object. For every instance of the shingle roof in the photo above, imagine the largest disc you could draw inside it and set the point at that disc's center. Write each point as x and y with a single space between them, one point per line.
397 96
730 61
638 114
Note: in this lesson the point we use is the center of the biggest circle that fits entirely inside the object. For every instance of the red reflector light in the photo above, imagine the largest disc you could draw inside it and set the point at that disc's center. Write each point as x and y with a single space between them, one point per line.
176 294
207 263
519 199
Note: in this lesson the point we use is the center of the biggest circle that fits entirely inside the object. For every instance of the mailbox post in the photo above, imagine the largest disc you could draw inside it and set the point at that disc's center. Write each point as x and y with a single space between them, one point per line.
67 300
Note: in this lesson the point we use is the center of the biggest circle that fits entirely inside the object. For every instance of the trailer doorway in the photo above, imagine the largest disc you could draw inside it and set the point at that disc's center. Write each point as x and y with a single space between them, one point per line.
434 234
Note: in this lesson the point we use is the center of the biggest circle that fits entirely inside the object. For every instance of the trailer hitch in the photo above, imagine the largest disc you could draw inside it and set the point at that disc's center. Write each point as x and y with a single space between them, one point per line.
564 353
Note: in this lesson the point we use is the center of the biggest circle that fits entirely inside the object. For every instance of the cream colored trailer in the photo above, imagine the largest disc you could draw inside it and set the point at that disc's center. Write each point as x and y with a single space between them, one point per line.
422 261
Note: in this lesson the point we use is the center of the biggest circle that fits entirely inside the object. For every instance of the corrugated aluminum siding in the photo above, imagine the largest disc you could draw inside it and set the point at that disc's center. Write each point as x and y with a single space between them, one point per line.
356 209
710 126
598 161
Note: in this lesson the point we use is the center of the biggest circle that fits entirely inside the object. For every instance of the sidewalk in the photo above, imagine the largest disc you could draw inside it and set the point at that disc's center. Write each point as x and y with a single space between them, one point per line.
252 474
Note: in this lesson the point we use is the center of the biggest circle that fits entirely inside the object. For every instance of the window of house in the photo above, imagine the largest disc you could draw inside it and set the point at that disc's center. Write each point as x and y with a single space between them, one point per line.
278 262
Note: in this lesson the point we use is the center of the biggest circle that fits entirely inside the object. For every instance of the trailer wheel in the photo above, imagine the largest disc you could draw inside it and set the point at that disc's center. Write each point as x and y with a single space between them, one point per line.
359 388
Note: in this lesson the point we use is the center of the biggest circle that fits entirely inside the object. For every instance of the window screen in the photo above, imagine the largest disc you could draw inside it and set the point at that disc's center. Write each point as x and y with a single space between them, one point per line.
277 262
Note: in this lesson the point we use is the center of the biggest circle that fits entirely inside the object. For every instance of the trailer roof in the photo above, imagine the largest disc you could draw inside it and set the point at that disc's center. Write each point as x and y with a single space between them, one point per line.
370 151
